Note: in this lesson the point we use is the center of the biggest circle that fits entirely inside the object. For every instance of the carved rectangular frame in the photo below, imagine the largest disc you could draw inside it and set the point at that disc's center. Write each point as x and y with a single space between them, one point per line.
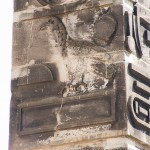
105 97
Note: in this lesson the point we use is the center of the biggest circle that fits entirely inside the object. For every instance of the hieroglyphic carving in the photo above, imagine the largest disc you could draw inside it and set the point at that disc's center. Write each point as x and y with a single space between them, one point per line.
133 32
83 47
140 112
139 101
136 28
129 39
146 24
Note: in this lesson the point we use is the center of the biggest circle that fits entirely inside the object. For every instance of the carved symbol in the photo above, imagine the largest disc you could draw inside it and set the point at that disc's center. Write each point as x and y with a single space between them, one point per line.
140 87
140 111
140 74
136 27
134 40
129 40
131 33
139 103
146 40
146 25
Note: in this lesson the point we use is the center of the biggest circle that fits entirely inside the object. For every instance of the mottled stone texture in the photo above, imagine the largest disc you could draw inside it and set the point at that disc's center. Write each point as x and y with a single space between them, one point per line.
80 75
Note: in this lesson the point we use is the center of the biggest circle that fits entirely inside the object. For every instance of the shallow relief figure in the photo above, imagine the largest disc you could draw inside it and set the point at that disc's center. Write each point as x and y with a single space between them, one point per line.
76 43
75 70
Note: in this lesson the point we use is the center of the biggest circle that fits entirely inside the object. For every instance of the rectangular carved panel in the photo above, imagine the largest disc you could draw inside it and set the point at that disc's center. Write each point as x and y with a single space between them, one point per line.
70 112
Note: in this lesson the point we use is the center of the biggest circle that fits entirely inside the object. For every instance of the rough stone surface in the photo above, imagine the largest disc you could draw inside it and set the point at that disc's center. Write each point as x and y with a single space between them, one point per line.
80 75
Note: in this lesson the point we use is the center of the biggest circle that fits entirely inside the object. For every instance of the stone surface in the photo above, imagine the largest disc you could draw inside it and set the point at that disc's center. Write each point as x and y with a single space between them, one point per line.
80 75
66 113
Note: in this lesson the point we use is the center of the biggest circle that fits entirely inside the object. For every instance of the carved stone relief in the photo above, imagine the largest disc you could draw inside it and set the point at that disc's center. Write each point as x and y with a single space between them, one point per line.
57 35
69 73
33 74
136 25
65 73
75 112
137 30
62 34
75 56
138 104
92 29
33 4
61 71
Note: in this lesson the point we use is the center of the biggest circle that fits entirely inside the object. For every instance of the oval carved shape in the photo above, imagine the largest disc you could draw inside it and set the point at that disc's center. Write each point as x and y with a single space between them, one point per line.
104 30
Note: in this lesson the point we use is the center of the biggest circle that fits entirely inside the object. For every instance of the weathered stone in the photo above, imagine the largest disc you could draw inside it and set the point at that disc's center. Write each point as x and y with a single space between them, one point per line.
80 75
66 113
